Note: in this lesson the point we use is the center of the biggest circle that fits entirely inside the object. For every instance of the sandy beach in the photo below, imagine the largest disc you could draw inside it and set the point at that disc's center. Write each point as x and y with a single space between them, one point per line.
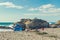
23 35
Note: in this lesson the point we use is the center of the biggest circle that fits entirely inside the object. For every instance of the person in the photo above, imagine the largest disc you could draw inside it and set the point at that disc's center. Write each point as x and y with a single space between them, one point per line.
27 25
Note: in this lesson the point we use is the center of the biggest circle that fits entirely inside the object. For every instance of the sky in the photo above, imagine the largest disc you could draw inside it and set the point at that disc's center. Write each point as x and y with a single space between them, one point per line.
14 10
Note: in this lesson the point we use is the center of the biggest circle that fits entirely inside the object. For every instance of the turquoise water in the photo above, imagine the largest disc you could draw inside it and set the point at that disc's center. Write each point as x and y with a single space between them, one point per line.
51 22
9 23
5 23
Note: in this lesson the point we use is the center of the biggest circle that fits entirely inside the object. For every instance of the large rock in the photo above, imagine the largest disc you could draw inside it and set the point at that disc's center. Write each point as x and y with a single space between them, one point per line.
34 23
38 23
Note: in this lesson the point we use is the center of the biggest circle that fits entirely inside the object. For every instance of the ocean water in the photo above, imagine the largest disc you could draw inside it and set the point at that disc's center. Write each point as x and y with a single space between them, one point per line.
5 23
9 23
52 22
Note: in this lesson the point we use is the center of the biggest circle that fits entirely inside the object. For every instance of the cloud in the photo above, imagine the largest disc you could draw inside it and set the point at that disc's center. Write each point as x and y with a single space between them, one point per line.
31 14
32 9
10 5
46 8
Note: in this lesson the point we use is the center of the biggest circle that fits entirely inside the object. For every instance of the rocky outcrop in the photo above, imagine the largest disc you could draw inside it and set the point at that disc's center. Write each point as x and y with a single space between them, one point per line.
55 25
34 23
4 27
38 23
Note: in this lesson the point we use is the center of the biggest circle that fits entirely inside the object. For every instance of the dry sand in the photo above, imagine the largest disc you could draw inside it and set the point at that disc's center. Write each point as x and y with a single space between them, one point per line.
30 35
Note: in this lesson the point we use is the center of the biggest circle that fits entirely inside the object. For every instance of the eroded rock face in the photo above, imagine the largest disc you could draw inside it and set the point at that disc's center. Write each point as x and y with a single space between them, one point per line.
38 23
34 23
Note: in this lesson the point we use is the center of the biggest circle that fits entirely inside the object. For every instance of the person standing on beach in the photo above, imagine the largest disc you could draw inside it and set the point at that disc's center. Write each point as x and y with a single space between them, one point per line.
27 24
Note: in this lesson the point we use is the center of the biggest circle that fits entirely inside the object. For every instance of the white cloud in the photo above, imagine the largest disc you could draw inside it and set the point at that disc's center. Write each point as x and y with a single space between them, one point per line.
10 5
32 9
31 14
46 8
